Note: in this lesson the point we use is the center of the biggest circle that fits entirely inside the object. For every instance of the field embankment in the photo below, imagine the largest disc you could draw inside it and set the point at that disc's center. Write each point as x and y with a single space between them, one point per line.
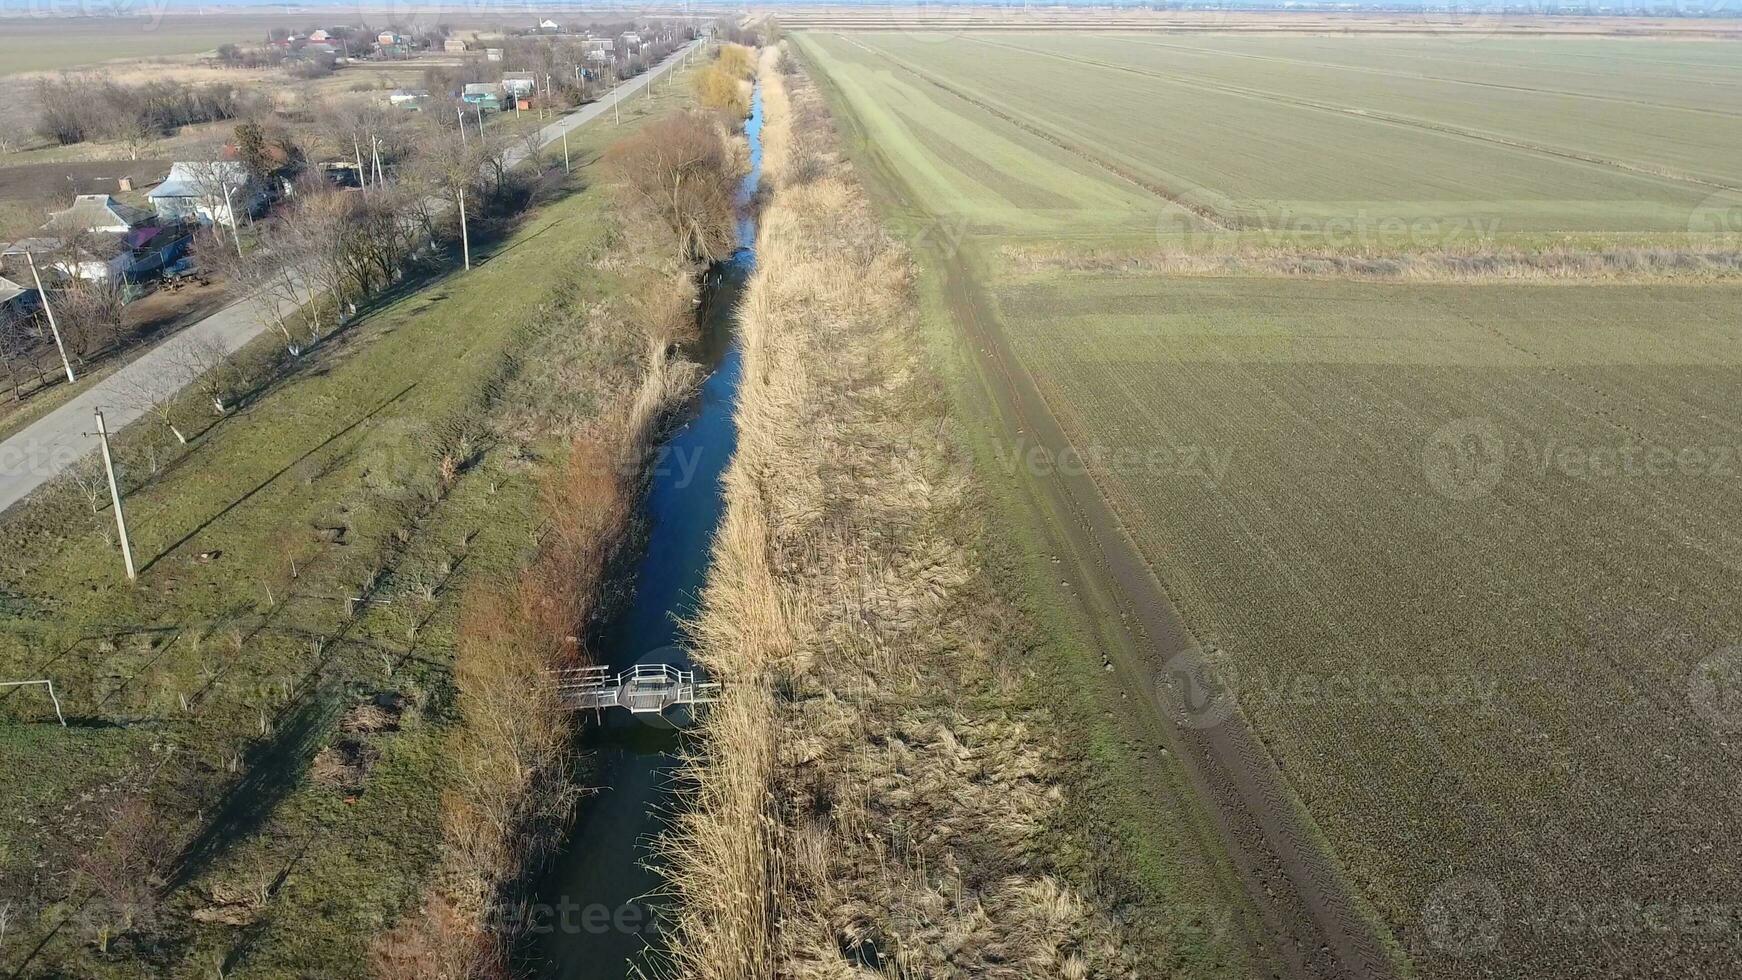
879 787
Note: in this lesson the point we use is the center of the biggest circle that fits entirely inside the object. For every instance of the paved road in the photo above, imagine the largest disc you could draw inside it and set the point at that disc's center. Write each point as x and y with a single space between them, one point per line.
54 442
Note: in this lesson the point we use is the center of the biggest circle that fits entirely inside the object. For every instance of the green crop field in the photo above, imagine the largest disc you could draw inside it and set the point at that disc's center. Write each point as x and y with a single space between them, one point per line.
1274 135
1460 537
53 43
1282 454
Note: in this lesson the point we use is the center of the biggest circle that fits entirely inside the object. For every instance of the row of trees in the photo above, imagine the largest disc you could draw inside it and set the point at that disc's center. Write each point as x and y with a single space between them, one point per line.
327 250
81 107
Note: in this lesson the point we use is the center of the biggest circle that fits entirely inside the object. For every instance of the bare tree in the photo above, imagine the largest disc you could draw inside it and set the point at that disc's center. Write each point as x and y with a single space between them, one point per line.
16 346
209 368
679 171
451 170
92 311
222 190
136 134
91 482
125 867
156 398
259 275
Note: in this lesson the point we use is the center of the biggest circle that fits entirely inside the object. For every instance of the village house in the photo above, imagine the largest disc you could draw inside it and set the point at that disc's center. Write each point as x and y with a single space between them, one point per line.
407 98
95 257
98 237
482 95
519 83
492 54
204 192
548 26
101 214
454 45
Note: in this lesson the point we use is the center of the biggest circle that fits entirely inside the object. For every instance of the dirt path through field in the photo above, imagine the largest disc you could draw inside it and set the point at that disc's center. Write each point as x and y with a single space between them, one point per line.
1315 921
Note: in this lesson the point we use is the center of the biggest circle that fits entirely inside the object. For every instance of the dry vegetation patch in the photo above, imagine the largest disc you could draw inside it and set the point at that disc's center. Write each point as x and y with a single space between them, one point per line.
1475 263
870 796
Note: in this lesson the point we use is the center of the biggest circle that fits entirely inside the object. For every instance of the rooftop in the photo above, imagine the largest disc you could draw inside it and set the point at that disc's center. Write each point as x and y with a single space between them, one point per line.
99 211
194 179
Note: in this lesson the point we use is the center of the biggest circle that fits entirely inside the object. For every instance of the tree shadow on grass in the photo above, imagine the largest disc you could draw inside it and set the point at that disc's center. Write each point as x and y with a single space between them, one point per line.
274 768
263 484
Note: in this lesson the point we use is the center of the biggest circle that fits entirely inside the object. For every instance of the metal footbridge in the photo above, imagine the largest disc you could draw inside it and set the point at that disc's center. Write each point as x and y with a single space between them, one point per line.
644 689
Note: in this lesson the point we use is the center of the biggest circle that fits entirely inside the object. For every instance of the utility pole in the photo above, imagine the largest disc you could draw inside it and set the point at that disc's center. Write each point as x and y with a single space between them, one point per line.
235 232
566 169
479 107
115 495
375 153
617 107
465 239
53 327
357 148
462 114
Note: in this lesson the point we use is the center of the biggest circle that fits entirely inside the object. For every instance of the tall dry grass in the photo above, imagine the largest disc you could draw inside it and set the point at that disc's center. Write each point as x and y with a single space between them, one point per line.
868 793
1463 264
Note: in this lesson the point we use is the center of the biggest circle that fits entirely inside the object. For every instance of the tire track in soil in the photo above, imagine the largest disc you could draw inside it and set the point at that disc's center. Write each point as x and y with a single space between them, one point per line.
1378 116
1315 920
1209 215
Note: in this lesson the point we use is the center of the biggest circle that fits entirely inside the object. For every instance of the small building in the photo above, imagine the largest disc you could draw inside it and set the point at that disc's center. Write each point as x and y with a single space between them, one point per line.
492 54
482 95
407 98
319 36
454 45
631 41
99 213
519 83
16 302
548 26
203 192
387 39
94 257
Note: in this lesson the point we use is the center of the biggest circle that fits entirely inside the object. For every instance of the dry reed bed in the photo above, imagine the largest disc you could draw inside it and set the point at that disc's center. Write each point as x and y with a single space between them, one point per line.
868 799
1472 264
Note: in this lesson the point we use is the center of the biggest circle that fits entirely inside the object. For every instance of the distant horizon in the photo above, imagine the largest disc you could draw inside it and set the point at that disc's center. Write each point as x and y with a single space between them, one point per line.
1666 9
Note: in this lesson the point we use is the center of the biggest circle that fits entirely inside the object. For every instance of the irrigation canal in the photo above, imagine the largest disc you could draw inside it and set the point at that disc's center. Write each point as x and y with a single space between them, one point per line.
596 916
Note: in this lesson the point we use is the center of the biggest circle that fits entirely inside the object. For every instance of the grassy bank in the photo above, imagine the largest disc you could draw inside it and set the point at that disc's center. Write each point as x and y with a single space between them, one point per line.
264 726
